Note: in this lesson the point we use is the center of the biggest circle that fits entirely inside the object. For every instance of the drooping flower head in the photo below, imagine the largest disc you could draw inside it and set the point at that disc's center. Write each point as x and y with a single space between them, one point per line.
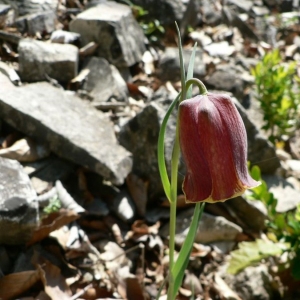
213 143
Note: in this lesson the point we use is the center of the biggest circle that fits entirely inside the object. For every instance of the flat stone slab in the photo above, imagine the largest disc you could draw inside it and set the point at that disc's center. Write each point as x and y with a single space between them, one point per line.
72 128
18 208
210 229
112 26
39 59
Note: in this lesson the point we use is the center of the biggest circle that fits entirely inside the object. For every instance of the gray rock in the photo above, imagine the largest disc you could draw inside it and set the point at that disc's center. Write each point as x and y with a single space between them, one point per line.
64 37
37 58
223 246
169 11
24 7
253 283
73 129
285 191
41 22
97 207
169 64
232 18
123 206
113 27
5 81
210 14
260 150
227 78
220 49
50 169
240 6
211 228
260 11
10 73
139 136
18 208
157 213
251 213
103 81
44 173
294 167
4 10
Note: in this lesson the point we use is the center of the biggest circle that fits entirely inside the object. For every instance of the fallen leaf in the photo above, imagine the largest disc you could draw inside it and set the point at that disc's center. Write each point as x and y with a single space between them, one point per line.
138 190
225 292
134 290
52 222
54 283
134 90
25 150
140 227
15 284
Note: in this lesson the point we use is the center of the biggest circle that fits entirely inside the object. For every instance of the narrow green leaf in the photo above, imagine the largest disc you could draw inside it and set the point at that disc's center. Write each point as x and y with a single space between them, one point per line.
190 72
182 68
161 150
184 254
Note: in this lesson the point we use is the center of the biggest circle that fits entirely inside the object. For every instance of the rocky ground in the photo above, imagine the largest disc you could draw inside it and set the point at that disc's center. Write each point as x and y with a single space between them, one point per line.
84 86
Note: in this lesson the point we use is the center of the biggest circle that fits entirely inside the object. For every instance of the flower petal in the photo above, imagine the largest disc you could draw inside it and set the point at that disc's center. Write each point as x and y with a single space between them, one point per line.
214 147
197 184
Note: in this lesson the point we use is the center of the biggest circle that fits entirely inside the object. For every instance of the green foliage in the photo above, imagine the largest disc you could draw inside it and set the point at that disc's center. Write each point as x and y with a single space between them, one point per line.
54 205
152 28
251 252
277 87
262 193
283 229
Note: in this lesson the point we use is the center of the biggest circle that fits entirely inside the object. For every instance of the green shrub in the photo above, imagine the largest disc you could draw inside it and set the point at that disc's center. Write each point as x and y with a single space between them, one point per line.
283 232
277 87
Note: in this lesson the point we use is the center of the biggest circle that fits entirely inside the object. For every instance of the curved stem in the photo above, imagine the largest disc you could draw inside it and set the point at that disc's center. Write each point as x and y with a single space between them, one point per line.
161 150
173 206
199 83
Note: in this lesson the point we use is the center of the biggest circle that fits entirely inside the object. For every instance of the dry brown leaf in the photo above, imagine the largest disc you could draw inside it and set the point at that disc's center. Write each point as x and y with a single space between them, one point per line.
115 229
140 227
15 284
62 235
134 290
83 186
54 283
52 222
200 250
134 90
11 139
138 190
25 150
225 292
93 293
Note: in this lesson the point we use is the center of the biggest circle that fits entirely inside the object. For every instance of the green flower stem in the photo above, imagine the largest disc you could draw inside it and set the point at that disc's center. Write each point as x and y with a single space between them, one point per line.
161 151
173 187
173 206
199 83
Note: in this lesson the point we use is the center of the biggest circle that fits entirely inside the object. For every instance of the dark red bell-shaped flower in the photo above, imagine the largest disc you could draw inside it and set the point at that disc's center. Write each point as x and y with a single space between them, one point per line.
213 143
